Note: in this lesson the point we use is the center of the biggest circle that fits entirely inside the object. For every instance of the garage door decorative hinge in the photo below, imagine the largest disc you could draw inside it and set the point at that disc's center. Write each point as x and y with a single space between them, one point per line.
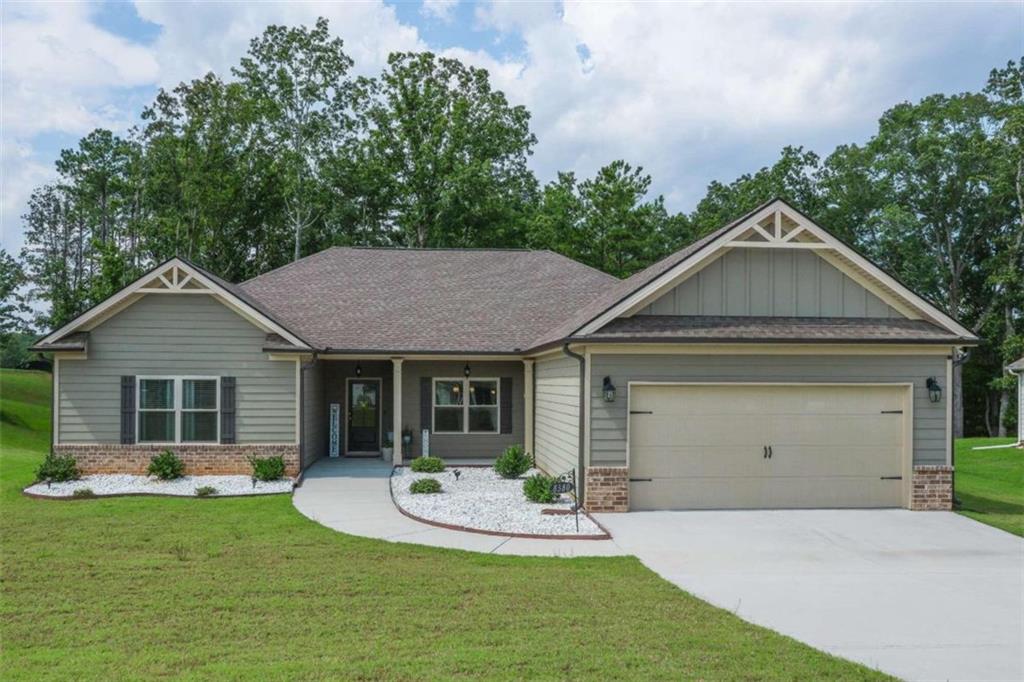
892 411
640 480
641 412
892 478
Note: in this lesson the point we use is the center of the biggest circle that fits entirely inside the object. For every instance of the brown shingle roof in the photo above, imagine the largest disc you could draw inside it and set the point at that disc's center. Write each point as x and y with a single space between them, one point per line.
72 342
425 300
696 328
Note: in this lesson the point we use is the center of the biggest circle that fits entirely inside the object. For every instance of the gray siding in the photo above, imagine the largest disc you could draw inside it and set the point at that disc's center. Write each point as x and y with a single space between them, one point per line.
314 414
608 420
770 282
557 413
176 334
465 445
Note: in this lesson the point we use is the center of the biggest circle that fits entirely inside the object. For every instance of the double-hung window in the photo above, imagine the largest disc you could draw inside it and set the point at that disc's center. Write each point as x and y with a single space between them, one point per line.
178 410
465 406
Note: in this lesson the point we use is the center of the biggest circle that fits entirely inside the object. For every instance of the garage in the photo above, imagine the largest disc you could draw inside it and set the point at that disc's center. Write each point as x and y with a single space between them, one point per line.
765 446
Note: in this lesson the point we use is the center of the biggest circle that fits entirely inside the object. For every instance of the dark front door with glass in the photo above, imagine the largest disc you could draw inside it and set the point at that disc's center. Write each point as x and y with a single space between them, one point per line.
363 416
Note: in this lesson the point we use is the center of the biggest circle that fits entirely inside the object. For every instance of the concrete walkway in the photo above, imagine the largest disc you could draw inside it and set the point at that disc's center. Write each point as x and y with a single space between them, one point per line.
920 595
353 496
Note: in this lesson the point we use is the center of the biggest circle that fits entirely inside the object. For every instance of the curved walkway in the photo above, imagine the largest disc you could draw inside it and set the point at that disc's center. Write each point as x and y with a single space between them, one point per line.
354 496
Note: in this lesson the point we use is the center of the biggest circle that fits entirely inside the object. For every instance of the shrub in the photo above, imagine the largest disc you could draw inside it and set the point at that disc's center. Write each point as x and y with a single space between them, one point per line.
82 493
513 463
427 465
205 491
537 488
58 468
166 466
425 486
267 468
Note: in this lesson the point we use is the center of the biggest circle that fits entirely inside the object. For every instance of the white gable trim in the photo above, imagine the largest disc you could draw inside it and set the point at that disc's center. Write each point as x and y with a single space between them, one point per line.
810 233
173 277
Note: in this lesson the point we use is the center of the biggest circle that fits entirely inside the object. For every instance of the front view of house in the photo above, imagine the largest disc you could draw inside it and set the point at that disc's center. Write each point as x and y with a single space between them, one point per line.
767 365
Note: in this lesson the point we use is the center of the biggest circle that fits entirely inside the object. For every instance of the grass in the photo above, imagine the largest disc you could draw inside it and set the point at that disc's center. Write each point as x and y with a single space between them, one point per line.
141 587
990 483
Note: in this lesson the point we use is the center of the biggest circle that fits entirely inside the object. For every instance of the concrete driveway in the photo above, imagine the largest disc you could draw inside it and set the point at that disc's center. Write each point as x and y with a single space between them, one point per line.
920 595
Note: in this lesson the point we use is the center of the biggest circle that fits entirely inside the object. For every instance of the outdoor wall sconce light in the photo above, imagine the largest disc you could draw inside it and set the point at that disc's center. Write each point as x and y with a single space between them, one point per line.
934 390
608 389
465 370
359 370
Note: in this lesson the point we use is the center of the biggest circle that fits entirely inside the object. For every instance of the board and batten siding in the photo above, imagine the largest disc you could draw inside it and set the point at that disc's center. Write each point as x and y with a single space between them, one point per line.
556 421
176 334
770 282
608 420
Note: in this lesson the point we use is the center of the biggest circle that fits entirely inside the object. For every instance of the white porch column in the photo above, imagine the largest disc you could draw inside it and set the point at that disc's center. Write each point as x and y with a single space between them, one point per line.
528 406
396 391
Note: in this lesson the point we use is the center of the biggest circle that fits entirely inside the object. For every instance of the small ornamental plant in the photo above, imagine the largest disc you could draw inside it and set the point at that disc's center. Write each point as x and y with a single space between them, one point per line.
205 491
513 463
58 469
166 466
267 468
427 465
425 486
537 488
82 493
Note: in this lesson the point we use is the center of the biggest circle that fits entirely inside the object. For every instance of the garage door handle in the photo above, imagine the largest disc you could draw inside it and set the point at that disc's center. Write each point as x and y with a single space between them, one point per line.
641 412
765 455
769 452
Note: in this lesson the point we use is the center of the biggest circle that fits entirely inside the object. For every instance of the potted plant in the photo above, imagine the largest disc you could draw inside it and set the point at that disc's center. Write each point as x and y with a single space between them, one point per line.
388 449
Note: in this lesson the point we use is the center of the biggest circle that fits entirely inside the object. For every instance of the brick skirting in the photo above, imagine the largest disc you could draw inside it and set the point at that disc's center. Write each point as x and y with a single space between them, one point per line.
932 488
198 459
607 489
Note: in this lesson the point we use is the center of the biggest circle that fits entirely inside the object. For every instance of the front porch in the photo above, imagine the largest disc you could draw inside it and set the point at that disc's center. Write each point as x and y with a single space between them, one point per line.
465 410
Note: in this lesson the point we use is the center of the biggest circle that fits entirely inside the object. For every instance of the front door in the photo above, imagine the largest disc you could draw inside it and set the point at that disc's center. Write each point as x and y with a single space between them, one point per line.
363 416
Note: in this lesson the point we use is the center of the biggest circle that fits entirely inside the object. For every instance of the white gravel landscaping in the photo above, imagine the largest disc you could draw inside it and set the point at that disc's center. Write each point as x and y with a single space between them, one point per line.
482 500
127 484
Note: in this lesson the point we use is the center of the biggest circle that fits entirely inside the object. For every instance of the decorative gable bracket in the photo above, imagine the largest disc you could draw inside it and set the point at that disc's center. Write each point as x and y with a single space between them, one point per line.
174 280
777 230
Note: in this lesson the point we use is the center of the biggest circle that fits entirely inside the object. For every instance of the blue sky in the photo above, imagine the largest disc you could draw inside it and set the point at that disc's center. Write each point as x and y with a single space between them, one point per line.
691 91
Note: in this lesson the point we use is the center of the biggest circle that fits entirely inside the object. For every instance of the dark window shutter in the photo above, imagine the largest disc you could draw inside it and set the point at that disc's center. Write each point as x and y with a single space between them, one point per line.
127 410
426 402
227 410
506 404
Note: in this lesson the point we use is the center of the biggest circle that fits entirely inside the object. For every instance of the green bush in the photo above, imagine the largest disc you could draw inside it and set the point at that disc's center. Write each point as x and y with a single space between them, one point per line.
205 491
166 466
537 488
58 469
427 465
425 486
83 493
267 468
513 463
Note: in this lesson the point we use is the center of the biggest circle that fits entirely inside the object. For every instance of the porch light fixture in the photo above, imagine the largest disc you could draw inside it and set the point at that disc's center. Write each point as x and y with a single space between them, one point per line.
934 390
465 370
359 370
608 390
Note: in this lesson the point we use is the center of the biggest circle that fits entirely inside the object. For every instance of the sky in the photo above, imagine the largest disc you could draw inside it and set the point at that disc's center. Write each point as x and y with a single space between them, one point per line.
691 91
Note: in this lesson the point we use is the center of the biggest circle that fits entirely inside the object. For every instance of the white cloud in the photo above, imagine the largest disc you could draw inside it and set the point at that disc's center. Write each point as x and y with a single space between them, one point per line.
442 10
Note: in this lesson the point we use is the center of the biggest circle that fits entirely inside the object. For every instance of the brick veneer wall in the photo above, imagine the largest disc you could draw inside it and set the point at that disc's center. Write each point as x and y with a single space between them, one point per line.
932 488
607 489
198 459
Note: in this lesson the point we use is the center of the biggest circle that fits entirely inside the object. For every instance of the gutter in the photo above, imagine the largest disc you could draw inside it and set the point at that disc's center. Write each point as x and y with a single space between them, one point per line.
581 466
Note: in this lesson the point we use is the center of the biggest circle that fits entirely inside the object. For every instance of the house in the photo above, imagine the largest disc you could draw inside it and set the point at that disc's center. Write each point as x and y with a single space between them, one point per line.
766 365
1018 369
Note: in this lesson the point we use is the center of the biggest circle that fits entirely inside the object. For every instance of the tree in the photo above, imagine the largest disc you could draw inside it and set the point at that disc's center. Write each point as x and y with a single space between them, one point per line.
297 79
446 154
13 307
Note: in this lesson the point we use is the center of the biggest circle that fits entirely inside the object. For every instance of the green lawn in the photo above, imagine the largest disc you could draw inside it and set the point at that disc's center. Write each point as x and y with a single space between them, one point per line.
248 588
990 483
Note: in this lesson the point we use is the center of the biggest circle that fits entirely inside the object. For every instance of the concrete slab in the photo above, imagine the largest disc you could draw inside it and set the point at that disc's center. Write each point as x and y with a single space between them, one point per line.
920 595
354 497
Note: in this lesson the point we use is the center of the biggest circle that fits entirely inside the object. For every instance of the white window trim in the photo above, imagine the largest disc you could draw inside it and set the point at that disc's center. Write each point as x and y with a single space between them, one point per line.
177 410
465 406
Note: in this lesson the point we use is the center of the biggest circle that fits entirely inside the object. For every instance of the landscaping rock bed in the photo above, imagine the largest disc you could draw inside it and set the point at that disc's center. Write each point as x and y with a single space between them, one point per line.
481 500
127 484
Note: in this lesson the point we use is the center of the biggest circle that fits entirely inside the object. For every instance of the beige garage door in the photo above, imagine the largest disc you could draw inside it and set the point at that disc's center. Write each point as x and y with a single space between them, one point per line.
705 447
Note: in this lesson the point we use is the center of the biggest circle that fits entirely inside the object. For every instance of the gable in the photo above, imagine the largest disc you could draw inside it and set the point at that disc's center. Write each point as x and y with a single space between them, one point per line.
773 227
780 282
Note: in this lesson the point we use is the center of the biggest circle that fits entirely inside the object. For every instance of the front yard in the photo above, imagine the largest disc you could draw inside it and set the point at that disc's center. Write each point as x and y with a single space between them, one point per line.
248 588
990 483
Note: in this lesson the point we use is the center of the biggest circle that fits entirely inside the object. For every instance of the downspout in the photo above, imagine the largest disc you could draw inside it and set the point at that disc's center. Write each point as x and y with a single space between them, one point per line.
581 466
958 359
301 426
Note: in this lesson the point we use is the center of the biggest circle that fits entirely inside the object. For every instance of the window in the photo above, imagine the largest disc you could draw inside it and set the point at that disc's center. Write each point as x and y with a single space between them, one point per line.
178 410
454 413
